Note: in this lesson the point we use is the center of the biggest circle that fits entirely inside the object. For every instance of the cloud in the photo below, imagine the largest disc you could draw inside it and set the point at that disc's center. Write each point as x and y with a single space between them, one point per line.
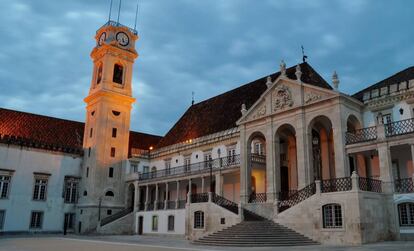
203 46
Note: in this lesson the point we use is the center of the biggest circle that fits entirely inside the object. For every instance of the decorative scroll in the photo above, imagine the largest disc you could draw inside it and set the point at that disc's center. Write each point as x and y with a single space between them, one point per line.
282 98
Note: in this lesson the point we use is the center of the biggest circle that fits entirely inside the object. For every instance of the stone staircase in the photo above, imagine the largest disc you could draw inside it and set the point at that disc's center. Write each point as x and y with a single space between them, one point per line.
255 233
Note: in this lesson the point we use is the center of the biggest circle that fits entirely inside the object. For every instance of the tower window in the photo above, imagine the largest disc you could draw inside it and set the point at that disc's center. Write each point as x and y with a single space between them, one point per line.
89 152
91 133
87 172
112 151
85 193
109 194
111 172
118 73
114 132
99 75
115 113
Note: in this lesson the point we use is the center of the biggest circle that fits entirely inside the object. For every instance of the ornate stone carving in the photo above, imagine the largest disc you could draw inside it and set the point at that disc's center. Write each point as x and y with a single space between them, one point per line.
311 97
261 111
282 98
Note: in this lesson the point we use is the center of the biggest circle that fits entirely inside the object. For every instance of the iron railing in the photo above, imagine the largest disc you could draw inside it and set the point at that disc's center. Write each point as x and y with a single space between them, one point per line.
141 207
225 203
361 135
116 216
370 185
160 205
199 197
297 197
399 127
116 24
258 159
150 206
283 195
181 204
336 185
257 198
404 185
195 168
171 204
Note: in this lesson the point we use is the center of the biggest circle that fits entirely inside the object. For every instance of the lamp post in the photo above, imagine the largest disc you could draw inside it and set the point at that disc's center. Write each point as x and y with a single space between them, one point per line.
316 157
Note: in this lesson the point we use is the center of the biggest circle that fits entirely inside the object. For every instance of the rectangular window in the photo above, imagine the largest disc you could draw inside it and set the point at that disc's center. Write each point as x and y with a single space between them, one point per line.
70 221
2 218
168 167
199 220
111 172
208 163
91 133
4 186
36 220
171 223
40 189
387 118
87 172
187 164
231 155
134 168
89 152
332 216
114 132
71 190
406 213
109 212
112 151
154 223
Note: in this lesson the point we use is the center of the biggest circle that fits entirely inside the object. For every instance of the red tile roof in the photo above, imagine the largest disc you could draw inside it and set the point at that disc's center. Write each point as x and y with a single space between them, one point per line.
221 112
53 133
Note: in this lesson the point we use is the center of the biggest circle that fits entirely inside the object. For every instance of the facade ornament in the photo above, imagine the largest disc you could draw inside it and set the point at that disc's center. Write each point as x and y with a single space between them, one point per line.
311 97
282 98
335 81
243 109
282 68
260 112
298 73
269 82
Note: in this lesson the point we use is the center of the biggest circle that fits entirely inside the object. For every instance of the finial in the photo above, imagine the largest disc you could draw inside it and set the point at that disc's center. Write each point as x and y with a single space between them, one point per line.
304 57
192 98
269 82
243 109
298 73
335 80
282 68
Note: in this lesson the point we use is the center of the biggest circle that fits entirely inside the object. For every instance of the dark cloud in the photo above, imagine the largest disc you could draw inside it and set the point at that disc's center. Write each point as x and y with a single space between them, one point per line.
203 46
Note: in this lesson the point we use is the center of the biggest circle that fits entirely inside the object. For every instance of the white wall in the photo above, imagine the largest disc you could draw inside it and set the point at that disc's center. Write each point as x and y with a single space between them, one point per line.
179 221
370 117
19 204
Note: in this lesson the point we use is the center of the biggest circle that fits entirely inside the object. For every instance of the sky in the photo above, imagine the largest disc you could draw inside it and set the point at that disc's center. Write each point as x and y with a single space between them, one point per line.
185 46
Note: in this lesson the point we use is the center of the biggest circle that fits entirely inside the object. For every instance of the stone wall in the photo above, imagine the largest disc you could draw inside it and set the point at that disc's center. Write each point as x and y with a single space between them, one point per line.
124 225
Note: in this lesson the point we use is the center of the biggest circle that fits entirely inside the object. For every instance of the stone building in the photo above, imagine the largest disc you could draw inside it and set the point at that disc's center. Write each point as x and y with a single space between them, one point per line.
286 159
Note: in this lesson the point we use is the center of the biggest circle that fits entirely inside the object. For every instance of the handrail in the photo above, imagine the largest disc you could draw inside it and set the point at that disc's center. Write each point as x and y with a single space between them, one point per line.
225 203
297 197
257 198
199 167
400 127
336 185
370 185
199 197
361 135
404 185
116 216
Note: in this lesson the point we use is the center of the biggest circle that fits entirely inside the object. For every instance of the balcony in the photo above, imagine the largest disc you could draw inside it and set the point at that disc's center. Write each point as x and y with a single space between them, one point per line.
361 135
196 168
399 127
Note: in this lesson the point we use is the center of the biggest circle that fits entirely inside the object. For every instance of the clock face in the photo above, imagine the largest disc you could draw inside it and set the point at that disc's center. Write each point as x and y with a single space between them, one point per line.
102 38
122 38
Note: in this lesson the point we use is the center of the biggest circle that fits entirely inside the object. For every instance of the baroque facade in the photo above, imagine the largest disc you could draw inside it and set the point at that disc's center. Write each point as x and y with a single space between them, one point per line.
289 151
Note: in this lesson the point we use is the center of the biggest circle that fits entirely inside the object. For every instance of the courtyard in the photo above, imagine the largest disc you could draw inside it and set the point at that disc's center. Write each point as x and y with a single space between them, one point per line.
150 243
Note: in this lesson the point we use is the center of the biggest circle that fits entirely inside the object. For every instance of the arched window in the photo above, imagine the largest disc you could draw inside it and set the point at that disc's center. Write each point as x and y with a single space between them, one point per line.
99 74
153 172
198 219
332 216
118 74
171 223
109 194
406 214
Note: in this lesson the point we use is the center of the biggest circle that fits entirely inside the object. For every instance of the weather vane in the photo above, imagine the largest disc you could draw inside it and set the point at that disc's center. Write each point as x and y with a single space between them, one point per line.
304 57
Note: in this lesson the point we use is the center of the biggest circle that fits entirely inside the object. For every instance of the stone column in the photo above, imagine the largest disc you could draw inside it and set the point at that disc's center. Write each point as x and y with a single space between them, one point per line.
303 159
385 165
219 184
341 162
270 162
156 197
355 181
244 167
178 194
189 192
277 167
166 196
202 184
146 198
137 196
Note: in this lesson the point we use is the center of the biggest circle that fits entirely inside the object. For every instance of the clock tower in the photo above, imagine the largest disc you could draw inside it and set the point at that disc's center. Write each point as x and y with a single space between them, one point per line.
106 134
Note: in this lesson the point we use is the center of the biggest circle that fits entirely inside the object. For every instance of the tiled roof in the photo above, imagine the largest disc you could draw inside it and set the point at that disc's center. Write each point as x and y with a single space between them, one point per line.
53 133
404 75
221 112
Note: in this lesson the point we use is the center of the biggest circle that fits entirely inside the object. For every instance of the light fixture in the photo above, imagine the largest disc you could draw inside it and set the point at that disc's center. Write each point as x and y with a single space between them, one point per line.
401 111
315 141
150 148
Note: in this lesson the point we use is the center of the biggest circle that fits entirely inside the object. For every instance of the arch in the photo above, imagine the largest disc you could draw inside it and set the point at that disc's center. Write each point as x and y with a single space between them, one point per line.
109 193
118 73
321 148
286 160
332 215
99 70
131 196
352 123
256 156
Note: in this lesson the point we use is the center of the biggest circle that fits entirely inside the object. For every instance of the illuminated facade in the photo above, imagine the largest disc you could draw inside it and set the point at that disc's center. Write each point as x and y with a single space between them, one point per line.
288 149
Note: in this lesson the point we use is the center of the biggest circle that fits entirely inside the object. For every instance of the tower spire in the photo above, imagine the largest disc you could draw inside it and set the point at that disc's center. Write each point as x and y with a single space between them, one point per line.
119 10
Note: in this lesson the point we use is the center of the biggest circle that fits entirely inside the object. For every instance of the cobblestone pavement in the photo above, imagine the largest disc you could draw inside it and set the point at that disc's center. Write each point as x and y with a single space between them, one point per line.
149 243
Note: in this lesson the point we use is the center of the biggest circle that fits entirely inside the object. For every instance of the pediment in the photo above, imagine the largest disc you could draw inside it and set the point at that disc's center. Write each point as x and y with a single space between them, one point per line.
285 94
